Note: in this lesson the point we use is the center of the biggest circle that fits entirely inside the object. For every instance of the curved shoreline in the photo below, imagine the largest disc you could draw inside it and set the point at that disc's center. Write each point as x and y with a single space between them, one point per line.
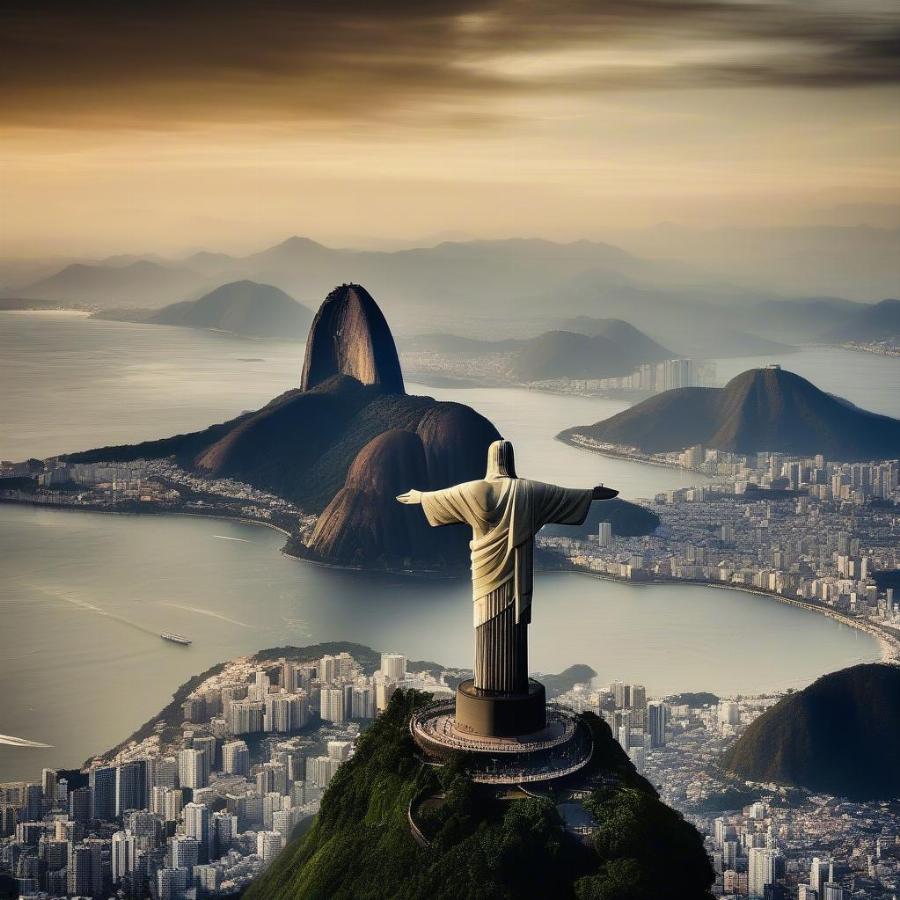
890 643
564 438
71 507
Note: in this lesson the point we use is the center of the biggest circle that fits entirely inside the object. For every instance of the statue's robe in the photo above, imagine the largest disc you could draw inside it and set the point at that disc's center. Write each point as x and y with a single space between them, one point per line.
502 554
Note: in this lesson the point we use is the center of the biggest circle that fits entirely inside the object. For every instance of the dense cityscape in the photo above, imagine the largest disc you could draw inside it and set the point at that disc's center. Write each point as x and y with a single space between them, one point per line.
764 841
144 486
202 799
199 802
807 531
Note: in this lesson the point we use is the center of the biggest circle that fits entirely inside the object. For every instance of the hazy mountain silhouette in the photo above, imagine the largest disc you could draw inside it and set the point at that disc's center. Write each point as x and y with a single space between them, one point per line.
855 261
615 348
832 319
840 735
465 274
692 322
140 283
760 409
876 322
805 319
241 307
464 284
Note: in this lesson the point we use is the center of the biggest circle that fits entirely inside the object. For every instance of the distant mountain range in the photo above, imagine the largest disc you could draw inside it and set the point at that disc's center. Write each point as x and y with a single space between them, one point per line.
832 320
142 284
613 348
694 322
463 273
760 409
515 287
868 323
840 735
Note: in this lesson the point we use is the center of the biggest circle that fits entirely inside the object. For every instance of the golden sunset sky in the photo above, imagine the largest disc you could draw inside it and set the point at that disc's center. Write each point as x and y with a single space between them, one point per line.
172 126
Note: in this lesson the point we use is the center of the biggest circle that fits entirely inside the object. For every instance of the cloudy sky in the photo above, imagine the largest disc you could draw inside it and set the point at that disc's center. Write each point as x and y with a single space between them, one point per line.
137 126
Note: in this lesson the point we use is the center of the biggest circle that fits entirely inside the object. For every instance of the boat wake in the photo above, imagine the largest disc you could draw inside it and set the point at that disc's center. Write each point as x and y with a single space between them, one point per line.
9 741
207 612
90 607
225 537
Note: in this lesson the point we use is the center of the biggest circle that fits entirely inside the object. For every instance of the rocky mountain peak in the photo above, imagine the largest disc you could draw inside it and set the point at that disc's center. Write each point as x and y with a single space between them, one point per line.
350 336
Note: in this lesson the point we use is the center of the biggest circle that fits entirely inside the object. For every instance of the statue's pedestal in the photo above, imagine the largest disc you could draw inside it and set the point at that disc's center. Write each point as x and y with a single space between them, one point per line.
491 714
558 744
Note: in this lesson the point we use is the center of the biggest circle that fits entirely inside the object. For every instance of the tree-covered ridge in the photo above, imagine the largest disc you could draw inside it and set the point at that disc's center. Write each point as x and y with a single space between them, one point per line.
481 845
816 738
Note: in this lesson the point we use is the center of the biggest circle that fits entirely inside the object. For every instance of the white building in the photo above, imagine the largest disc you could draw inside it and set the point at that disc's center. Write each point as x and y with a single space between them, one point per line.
268 845
122 853
393 666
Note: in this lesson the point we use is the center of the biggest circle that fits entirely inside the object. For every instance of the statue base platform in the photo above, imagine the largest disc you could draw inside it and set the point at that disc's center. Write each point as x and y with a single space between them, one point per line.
561 747
491 714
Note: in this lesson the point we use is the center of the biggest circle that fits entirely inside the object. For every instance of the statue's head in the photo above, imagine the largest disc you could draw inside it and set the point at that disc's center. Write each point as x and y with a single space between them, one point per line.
501 463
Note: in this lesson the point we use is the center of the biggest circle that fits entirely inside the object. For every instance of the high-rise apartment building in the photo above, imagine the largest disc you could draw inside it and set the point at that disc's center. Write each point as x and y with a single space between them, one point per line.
122 854
393 666
236 758
131 786
197 826
103 793
657 718
193 768
331 702
268 845
762 869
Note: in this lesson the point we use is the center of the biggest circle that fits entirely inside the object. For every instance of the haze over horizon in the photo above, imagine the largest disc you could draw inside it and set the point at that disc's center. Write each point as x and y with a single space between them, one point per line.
128 129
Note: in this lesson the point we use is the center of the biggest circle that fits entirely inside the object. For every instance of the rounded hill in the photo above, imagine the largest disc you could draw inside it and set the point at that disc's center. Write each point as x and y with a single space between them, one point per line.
758 410
481 843
617 349
245 308
840 735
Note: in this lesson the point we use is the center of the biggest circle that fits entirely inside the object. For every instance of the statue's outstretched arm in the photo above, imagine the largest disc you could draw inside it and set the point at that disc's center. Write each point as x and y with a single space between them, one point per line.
410 497
603 493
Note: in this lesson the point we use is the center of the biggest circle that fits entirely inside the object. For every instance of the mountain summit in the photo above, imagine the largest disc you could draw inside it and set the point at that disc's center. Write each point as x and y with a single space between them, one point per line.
350 336
758 410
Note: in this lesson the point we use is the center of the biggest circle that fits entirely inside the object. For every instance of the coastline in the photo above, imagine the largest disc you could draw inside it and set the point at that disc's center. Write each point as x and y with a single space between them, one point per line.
890 643
565 437
71 507
886 352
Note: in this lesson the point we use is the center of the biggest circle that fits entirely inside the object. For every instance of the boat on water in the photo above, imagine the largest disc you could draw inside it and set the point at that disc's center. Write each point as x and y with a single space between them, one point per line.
175 638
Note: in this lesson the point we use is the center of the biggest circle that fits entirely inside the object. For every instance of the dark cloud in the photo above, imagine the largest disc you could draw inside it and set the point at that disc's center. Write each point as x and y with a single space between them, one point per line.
137 63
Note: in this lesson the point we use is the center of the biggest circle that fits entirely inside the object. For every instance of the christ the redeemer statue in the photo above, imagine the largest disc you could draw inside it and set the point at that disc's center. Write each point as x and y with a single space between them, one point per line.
505 513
